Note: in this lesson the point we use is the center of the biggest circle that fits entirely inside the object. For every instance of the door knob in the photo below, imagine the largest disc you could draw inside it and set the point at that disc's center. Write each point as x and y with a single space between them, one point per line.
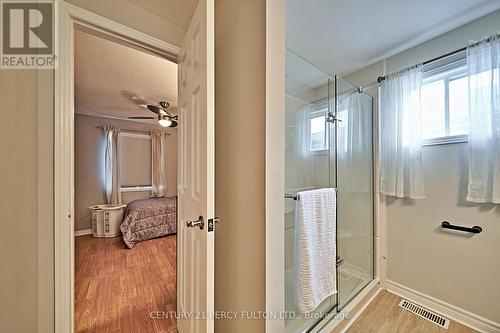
198 223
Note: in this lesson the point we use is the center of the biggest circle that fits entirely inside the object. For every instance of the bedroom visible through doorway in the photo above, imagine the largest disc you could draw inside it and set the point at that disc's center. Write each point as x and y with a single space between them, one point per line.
125 157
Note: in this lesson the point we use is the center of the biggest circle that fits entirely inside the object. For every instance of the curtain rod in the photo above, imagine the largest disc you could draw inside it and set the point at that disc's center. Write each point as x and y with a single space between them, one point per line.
382 78
491 38
134 131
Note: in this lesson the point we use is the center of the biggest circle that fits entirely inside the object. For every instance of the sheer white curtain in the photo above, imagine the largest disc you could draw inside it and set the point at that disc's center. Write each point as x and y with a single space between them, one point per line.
483 61
304 130
158 168
297 149
401 135
354 143
304 146
112 164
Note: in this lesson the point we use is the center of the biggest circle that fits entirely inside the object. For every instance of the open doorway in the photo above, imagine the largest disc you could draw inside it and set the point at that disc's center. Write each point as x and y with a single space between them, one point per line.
125 157
194 57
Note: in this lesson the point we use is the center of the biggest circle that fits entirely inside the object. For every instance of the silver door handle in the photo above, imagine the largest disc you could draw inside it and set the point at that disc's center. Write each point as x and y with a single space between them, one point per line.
198 223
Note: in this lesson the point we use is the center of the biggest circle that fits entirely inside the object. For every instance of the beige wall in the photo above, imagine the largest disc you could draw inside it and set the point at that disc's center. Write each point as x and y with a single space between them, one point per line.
26 198
240 52
461 270
88 164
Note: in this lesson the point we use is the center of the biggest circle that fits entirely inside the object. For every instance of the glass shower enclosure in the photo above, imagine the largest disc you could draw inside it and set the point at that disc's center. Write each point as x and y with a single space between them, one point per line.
328 143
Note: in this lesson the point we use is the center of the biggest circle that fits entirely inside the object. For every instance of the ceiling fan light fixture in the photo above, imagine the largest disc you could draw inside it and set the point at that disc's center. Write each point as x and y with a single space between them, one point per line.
165 119
165 122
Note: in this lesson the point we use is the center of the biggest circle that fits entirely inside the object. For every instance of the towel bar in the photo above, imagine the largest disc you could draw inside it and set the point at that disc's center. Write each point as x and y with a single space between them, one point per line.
475 229
296 196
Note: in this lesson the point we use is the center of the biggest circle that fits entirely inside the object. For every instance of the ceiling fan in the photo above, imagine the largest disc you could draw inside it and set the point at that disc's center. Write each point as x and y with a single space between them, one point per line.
165 118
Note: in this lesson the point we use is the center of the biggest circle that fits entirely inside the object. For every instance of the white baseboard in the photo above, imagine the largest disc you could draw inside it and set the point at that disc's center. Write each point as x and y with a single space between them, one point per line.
453 312
83 232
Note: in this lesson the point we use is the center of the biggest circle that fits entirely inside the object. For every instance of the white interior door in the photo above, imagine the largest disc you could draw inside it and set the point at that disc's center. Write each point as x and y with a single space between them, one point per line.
195 263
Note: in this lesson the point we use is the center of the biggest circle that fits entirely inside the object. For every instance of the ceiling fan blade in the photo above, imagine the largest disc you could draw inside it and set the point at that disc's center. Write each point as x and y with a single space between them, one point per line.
141 117
174 123
154 108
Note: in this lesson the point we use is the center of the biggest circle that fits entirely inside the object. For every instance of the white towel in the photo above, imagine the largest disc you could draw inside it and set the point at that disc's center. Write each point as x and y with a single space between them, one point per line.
315 242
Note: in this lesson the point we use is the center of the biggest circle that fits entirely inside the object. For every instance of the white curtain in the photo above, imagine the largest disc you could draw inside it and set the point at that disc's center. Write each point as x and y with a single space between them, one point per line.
401 135
304 139
483 61
354 145
112 164
297 149
158 168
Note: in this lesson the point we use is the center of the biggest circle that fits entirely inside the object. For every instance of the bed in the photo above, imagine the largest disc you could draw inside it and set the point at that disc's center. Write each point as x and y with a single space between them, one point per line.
149 218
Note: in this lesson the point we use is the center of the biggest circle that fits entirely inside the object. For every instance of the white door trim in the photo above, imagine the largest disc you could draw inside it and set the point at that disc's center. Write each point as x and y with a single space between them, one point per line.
275 163
71 16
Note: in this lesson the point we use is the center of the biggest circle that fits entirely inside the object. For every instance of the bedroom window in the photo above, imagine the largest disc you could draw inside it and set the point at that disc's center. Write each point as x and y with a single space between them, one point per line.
135 162
444 98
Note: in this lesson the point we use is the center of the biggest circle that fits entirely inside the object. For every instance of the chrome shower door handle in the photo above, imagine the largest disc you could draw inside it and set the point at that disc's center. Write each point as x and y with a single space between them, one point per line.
198 223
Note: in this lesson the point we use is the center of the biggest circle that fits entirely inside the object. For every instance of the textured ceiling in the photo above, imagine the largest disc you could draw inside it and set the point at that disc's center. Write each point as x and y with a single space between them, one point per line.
344 36
114 80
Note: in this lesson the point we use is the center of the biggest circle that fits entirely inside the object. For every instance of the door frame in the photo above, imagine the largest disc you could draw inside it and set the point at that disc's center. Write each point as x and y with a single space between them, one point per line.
70 18
275 164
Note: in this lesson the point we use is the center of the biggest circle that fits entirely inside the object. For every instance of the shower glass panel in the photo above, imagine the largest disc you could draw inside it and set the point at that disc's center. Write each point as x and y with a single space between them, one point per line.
322 152
308 165
354 191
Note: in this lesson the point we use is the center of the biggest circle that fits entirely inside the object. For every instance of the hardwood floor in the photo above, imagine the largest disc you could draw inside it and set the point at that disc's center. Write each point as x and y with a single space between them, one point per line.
116 289
384 315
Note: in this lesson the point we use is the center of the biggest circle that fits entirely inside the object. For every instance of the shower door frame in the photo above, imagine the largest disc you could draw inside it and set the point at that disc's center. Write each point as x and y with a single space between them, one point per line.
332 152
341 306
321 324
326 320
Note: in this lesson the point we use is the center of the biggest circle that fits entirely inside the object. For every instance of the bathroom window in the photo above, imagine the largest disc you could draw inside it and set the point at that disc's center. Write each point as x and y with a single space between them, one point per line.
444 101
318 133
319 129
135 162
